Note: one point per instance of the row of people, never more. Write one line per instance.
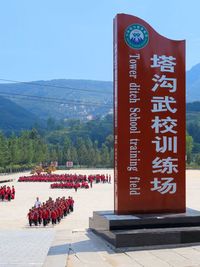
(70, 185)
(99, 178)
(50, 211)
(7, 193)
(66, 178)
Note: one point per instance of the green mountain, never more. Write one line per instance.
(62, 99)
(14, 117)
(76, 99)
(193, 84)
(68, 99)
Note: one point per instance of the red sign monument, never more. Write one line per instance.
(149, 119)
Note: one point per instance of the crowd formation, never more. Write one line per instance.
(69, 185)
(53, 211)
(50, 211)
(7, 193)
(68, 180)
(71, 178)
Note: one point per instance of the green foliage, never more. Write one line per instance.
(197, 159)
(88, 144)
(77, 142)
(193, 133)
(14, 117)
(21, 152)
(193, 129)
(189, 146)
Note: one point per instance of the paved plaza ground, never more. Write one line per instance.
(70, 243)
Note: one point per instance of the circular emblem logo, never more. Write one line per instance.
(136, 36)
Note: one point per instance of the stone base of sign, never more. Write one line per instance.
(145, 230)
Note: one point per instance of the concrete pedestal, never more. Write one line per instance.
(125, 231)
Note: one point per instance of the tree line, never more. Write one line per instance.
(193, 134)
(86, 144)
(193, 144)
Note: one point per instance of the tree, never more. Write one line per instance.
(74, 155)
(112, 158)
(105, 158)
(66, 149)
(13, 147)
(4, 153)
(90, 159)
(189, 146)
(109, 141)
(193, 129)
(83, 155)
(197, 159)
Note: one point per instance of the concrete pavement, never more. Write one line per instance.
(70, 243)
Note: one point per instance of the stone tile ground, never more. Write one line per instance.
(24, 247)
(70, 243)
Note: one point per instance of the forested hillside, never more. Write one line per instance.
(193, 84)
(14, 117)
(65, 99)
(193, 133)
(71, 120)
(61, 99)
(86, 144)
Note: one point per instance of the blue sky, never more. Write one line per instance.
(48, 39)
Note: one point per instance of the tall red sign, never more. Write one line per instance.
(149, 119)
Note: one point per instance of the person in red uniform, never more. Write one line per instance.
(76, 186)
(71, 204)
(44, 216)
(39, 215)
(48, 214)
(53, 217)
(8, 192)
(30, 217)
(35, 217)
(13, 192)
(3, 193)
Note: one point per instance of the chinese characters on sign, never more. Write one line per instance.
(149, 119)
(163, 126)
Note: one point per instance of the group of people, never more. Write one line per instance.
(7, 193)
(71, 178)
(86, 182)
(50, 211)
(69, 185)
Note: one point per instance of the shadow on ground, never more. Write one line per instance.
(92, 243)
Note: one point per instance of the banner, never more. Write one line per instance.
(149, 119)
(69, 164)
